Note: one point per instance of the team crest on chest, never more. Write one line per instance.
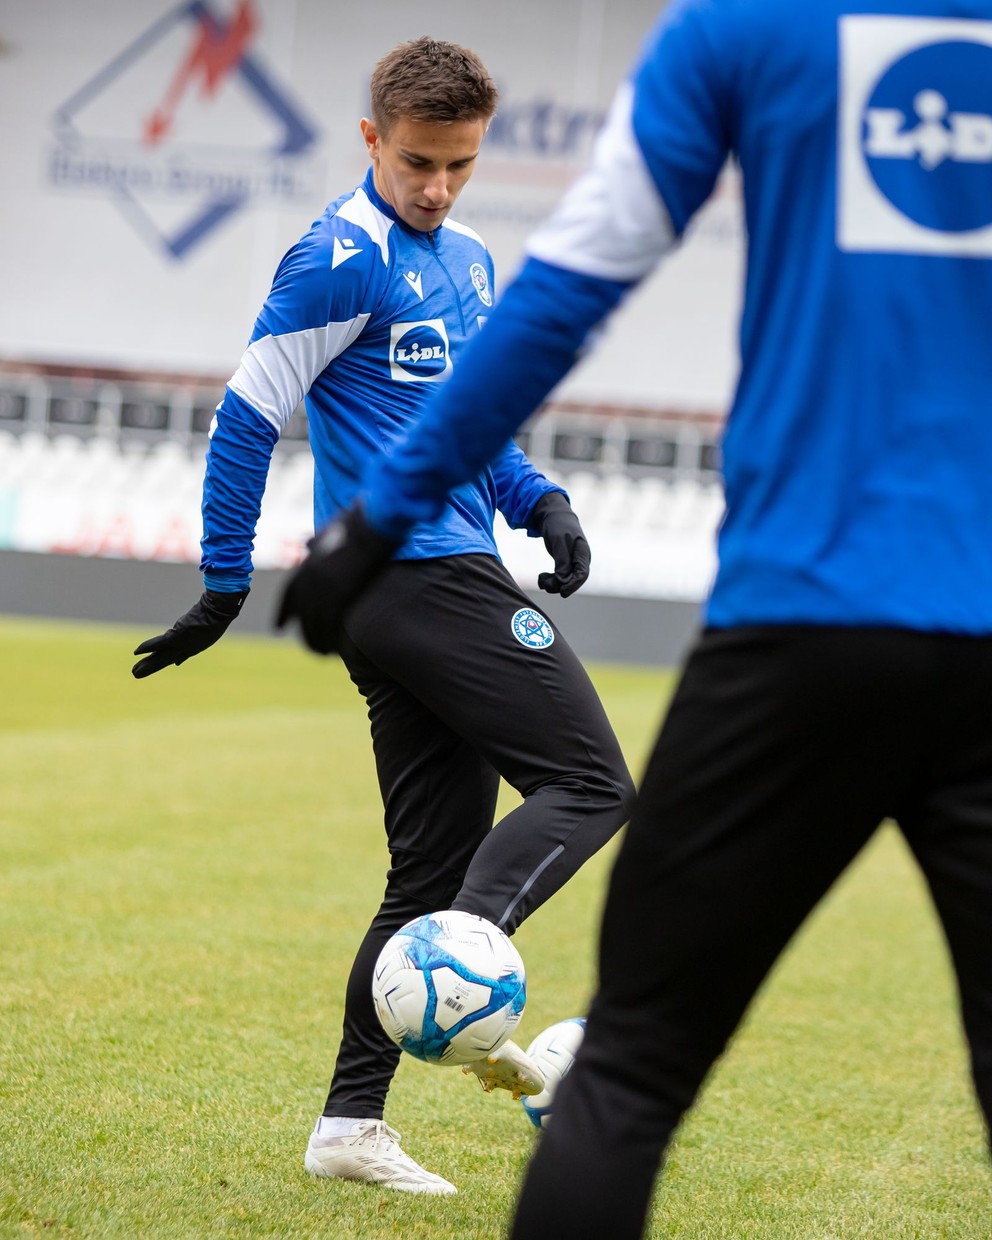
(481, 282)
(531, 629)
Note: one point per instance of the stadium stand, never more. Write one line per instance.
(111, 464)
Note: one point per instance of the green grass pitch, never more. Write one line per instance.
(186, 866)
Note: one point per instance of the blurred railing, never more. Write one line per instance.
(106, 464)
(142, 412)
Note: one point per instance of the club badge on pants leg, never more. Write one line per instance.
(531, 629)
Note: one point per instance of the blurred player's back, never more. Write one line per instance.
(864, 133)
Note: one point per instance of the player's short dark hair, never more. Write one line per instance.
(430, 80)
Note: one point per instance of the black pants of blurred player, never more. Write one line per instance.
(456, 701)
(782, 751)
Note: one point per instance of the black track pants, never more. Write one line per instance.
(461, 689)
(782, 752)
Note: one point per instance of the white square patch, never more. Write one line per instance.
(419, 351)
(927, 135)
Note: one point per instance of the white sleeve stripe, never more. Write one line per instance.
(359, 210)
(276, 372)
(612, 222)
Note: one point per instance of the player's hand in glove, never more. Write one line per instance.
(553, 519)
(204, 623)
(343, 558)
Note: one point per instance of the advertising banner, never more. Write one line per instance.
(161, 156)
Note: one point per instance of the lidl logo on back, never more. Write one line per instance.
(915, 134)
(418, 352)
(939, 134)
(185, 127)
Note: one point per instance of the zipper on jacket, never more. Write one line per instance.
(454, 287)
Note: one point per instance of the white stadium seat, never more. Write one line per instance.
(650, 536)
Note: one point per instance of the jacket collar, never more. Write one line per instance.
(380, 204)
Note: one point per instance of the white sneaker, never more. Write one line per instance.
(508, 1067)
(371, 1153)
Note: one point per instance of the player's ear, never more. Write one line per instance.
(371, 135)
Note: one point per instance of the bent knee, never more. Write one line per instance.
(626, 794)
(617, 787)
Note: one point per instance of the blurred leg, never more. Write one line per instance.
(772, 770)
(949, 828)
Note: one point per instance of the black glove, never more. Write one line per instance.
(344, 557)
(204, 623)
(553, 519)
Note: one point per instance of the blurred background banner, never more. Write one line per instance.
(160, 158)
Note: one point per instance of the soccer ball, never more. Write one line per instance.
(554, 1052)
(449, 988)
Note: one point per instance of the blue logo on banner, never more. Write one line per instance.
(145, 130)
(927, 136)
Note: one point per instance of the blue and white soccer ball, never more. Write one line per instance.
(554, 1052)
(449, 988)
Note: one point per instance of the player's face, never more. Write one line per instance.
(420, 168)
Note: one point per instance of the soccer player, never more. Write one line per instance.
(464, 680)
(844, 673)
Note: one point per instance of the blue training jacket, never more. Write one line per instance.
(858, 451)
(366, 316)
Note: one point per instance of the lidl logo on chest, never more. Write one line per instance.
(419, 352)
(915, 135)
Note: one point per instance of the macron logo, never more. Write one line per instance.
(415, 282)
(343, 250)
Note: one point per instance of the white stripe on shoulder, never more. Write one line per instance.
(360, 211)
(464, 230)
(276, 372)
(612, 222)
